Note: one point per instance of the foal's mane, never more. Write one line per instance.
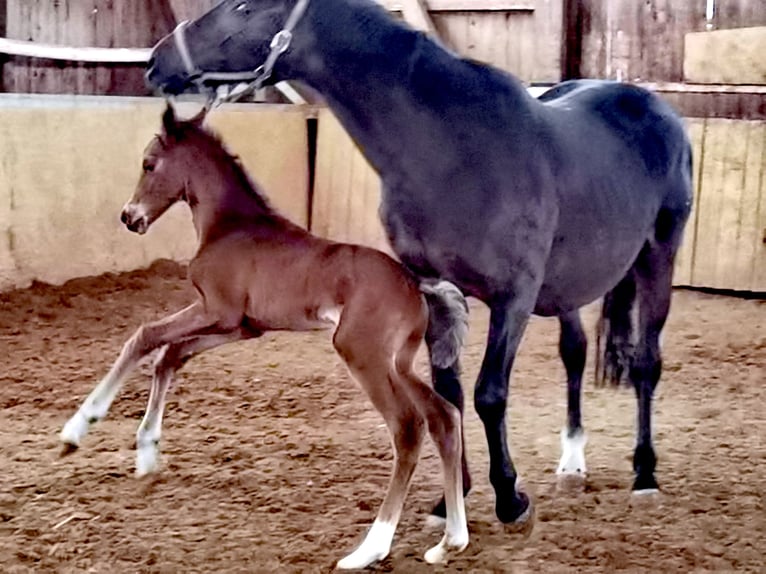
(216, 150)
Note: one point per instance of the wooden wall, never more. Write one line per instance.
(69, 163)
(644, 40)
(525, 42)
(521, 37)
(724, 244)
(98, 23)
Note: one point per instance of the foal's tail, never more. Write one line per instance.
(615, 334)
(447, 322)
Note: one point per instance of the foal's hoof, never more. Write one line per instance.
(449, 546)
(67, 448)
(570, 483)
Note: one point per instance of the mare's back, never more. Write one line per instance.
(633, 115)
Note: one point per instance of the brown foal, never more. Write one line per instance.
(255, 271)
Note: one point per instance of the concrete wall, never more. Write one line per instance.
(69, 163)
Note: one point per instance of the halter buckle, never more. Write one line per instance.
(281, 41)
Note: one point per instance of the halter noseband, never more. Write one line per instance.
(255, 79)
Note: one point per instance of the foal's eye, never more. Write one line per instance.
(148, 166)
(241, 7)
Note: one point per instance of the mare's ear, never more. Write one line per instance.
(169, 123)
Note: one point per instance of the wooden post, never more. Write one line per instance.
(416, 14)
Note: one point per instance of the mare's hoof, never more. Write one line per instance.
(518, 514)
(571, 483)
(646, 498)
(67, 448)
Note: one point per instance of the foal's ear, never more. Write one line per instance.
(199, 118)
(169, 123)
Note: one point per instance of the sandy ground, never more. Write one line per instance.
(273, 460)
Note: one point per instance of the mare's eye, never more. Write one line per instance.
(241, 7)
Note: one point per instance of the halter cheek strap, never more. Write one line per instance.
(256, 78)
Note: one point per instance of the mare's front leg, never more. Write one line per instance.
(146, 339)
(573, 347)
(506, 327)
(171, 358)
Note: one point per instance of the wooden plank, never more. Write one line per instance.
(729, 250)
(685, 256)
(759, 263)
(726, 56)
(346, 189)
(751, 249)
(415, 13)
(271, 144)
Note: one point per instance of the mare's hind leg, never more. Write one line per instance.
(573, 347)
(370, 367)
(171, 358)
(654, 278)
(146, 339)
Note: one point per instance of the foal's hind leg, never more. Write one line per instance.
(406, 427)
(170, 359)
(573, 347)
(445, 426)
(146, 339)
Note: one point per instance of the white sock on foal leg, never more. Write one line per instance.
(93, 409)
(572, 453)
(455, 537)
(376, 546)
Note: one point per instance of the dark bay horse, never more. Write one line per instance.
(255, 271)
(530, 205)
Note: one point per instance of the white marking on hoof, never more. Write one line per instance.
(435, 522)
(449, 546)
(376, 546)
(646, 492)
(74, 430)
(146, 459)
(572, 453)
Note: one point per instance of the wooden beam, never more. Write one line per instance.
(415, 13)
(466, 5)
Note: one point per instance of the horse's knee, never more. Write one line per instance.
(168, 359)
(646, 370)
(490, 403)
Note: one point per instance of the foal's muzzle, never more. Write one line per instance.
(134, 218)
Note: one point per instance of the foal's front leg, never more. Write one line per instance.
(147, 338)
(170, 359)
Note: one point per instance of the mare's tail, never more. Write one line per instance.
(615, 334)
(447, 322)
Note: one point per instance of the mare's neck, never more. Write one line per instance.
(400, 95)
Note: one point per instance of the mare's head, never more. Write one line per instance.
(168, 161)
(233, 37)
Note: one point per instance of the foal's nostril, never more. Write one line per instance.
(124, 216)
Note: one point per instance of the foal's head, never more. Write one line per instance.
(168, 163)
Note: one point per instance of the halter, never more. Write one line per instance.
(255, 79)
